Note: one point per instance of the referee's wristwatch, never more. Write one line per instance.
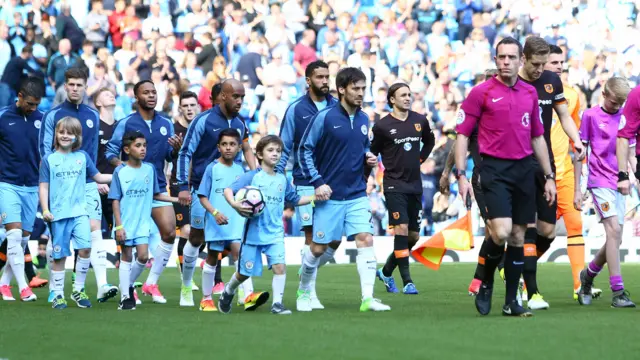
(460, 173)
(623, 175)
(550, 176)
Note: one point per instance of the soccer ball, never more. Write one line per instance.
(252, 196)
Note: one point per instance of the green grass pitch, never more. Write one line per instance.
(440, 323)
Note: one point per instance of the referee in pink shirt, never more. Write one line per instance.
(510, 131)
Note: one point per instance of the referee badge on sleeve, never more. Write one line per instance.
(460, 117)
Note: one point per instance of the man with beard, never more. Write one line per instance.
(162, 146)
(75, 86)
(294, 123)
(19, 127)
(200, 149)
(398, 138)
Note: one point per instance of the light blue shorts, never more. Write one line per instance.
(157, 204)
(143, 240)
(305, 212)
(250, 258)
(334, 218)
(76, 231)
(18, 204)
(197, 212)
(93, 205)
(219, 246)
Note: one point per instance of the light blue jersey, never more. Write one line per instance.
(134, 188)
(216, 178)
(267, 228)
(66, 175)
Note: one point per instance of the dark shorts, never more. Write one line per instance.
(107, 214)
(182, 212)
(509, 189)
(404, 209)
(544, 212)
(479, 194)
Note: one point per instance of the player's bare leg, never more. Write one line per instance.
(165, 219)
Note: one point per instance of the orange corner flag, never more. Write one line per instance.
(457, 236)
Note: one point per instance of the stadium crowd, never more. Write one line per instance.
(440, 48)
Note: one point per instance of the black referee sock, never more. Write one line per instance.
(482, 258)
(218, 275)
(181, 243)
(513, 265)
(493, 258)
(543, 244)
(28, 265)
(401, 253)
(529, 273)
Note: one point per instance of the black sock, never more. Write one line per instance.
(542, 244)
(3, 254)
(28, 264)
(493, 258)
(529, 272)
(181, 243)
(390, 265)
(75, 260)
(501, 263)
(513, 264)
(401, 252)
(482, 258)
(218, 275)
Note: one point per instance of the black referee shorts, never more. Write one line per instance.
(545, 212)
(182, 212)
(509, 189)
(404, 209)
(478, 193)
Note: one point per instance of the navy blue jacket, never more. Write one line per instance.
(200, 146)
(19, 156)
(158, 148)
(295, 122)
(89, 119)
(333, 152)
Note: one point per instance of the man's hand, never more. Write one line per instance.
(444, 183)
(577, 200)
(579, 151)
(221, 219)
(176, 142)
(464, 188)
(103, 189)
(624, 187)
(372, 160)
(550, 191)
(184, 198)
(323, 193)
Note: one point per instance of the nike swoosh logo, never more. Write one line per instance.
(507, 311)
(127, 181)
(339, 126)
(217, 129)
(518, 263)
(498, 99)
(218, 179)
(11, 124)
(304, 117)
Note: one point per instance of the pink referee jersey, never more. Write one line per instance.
(507, 118)
(631, 117)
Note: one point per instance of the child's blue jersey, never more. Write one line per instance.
(216, 178)
(134, 188)
(67, 175)
(268, 228)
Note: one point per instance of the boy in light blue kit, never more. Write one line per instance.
(63, 174)
(263, 234)
(134, 187)
(222, 225)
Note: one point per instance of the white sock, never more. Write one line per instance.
(232, 285)
(98, 258)
(162, 253)
(309, 266)
(208, 276)
(6, 276)
(154, 241)
(49, 255)
(277, 286)
(82, 268)
(15, 257)
(136, 269)
(247, 287)
(57, 282)
(305, 249)
(328, 255)
(189, 257)
(25, 242)
(366, 263)
(125, 278)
